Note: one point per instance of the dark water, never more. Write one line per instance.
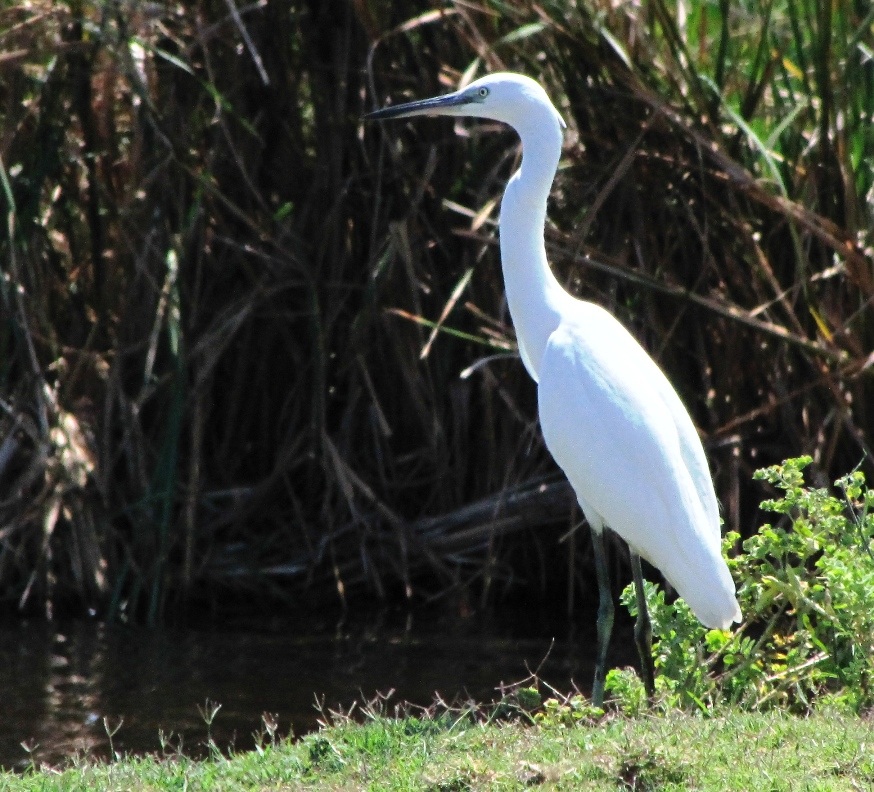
(59, 682)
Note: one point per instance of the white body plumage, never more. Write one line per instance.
(610, 418)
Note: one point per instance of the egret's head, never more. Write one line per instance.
(511, 98)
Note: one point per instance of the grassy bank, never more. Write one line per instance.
(729, 751)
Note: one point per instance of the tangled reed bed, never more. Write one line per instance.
(248, 344)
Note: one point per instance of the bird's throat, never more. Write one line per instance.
(534, 296)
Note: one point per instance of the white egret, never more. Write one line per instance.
(610, 418)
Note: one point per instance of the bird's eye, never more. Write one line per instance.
(483, 92)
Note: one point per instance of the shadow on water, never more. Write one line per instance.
(59, 682)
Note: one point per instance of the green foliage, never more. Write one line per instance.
(529, 698)
(566, 711)
(806, 589)
(626, 687)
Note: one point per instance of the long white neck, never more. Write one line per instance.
(534, 296)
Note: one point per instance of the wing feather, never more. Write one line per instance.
(626, 443)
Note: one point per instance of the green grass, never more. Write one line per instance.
(766, 752)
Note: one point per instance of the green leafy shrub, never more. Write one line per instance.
(561, 712)
(806, 589)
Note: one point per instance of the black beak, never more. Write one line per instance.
(435, 106)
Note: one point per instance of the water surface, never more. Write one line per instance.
(59, 682)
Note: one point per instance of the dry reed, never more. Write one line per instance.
(209, 376)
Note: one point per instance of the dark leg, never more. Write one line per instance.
(605, 616)
(642, 628)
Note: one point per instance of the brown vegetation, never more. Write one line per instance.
(236, 325)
